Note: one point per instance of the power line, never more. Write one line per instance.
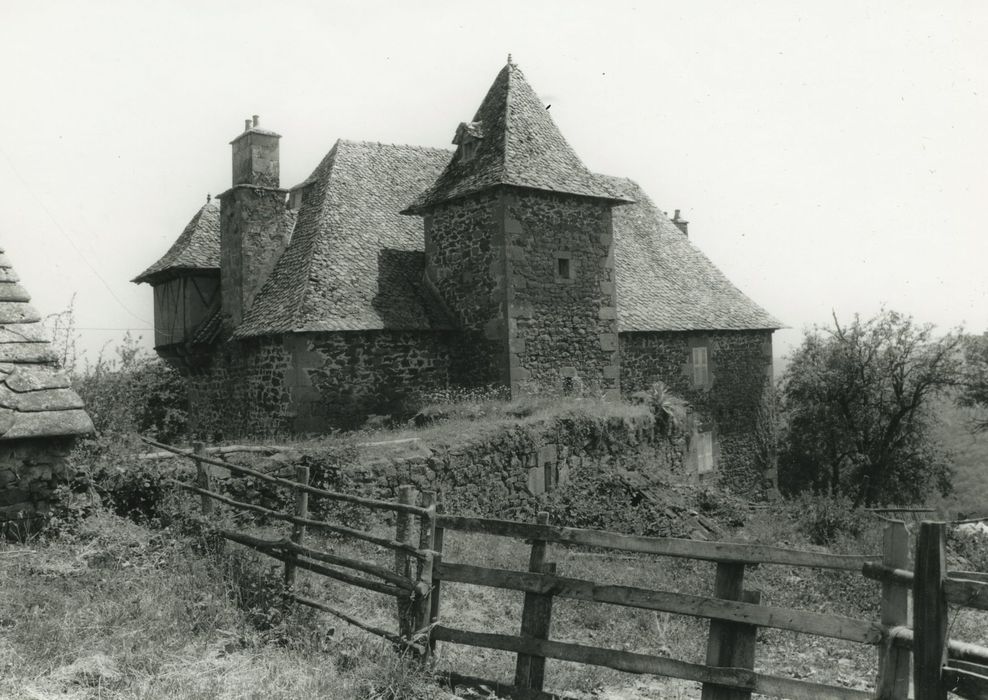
(69, 240)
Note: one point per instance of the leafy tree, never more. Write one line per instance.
(857, 410)
(974, 392)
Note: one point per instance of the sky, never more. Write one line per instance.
(830, 157)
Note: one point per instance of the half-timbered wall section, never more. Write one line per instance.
(182, 305)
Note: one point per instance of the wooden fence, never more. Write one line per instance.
(940, 665)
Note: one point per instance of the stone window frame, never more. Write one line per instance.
(560, 256)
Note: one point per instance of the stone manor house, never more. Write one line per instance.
(400, 269)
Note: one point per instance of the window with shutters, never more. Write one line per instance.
(701, 369)
(704, 452)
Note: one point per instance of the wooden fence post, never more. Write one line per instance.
(930, 612)
(893, 662)
(435, 601)
(203, 479)
(427, 542)
(730, 644)
(402, 563)
(301, 511)
(536, 617)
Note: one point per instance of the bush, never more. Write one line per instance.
(827, 521)
(133, 393)
(971, 544)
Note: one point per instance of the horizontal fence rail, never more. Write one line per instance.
(417, 581)
(318, 524)
(726, 552)
(742, 679)
(818, 624)
(288, 483)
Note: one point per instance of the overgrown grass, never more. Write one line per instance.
(120, 610)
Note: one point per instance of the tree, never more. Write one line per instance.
(857, 410)
(974, 391)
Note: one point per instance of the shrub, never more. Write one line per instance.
(670, 410)
(133, 393)
(972, 544)
(827, 521)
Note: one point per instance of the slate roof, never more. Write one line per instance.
(665, 283)
(198, 248)
(354, 263)
(520, 145)
(36, 398)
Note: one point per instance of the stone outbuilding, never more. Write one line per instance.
(41, 416)
(395, 270)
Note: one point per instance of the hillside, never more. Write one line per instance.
(970, 459)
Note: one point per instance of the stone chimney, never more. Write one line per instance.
(253, 230)
(681, 223)
(255, 155)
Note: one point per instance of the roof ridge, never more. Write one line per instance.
(411, 146)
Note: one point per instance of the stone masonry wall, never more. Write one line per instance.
(252, 239)
(464, 253)
(313, 382)
(561, 326)
(29, 471)
(508, 472)
(735, 404)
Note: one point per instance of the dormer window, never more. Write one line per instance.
(468, 136)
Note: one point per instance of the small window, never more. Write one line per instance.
(701, 371)
(704, 452)
(468, 149)
(563, 270)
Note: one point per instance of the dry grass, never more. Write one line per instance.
(124, 612)
(121, 611)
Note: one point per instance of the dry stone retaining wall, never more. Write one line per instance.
(508, 472)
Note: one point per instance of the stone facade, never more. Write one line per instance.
(464, 262)
(529, 277)
(314, 382)
(733, 403)
(562, 311)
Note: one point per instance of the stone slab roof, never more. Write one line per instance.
(36, 398)
(519, 145)
(354, 263)
(198, 248)
(665, 283)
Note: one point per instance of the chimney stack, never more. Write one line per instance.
(681, 224)
(255, 156)
(253, 233)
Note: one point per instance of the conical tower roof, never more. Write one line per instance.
(36, 398)
(198, 248)
(517, 143)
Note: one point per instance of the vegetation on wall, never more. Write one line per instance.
(857, 410)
